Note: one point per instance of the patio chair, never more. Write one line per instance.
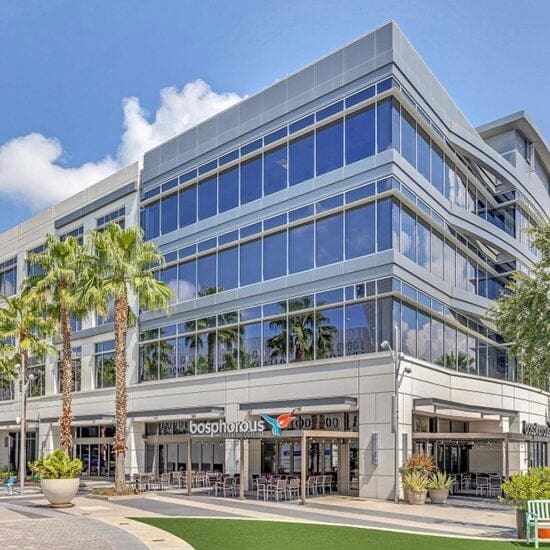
(261, 487)
(143, 482)
(311, 485)
(179, 480)
(482, 486)
(165, 481)
(325, 483)
(227, 485)
(293, 488)
(494, 486)
(276, 489)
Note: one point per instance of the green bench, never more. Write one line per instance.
(538, 517)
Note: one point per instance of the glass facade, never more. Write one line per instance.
(104, 363)
(8, 277)
(77, 368)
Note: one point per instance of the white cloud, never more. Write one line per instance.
(31, 169)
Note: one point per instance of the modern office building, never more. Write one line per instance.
(349, 203)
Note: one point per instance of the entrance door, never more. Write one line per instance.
(353, 486)
(30, 450)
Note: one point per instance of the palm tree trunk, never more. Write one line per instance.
(66, 418)
(121, 394)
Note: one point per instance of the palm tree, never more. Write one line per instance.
(121, 265)
(452, 361)
(24, 332)
(58, 287)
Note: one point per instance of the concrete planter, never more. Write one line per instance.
(60, 492)
(417, 497)
(439, 496)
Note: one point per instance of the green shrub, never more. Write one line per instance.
(520, 488)
(440, 480)
(57, 465)
(415, 481)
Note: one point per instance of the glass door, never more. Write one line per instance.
(354, 467)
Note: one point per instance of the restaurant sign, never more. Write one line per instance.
(538, 430)
(229, 430)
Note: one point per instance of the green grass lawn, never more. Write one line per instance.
(217, 534)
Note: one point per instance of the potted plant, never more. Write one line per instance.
(520, 488)
(438, 487)
(416, 484)
(59, 476)
(417, 462)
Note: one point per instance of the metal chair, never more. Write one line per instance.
(227, 485)
(311, 486)
(261, 487)
(293, 488)
(165, 481)
(277, 488)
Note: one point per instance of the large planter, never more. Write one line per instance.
(439, 496)
(417, 497)
(60, 492)
(521, 523)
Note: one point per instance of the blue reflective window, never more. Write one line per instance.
(229, 157)
(205, 245)
(360, 193)
(330, 110)
(408, 330)
(437, 168)
(449, 179)
(360, 231)
(212, 165)
(360, 331)
(302, 123)
(301, 152)
(408, 137)
(169, 185)
(388, 121)
(329, 325)
(300, 248)
(228, 237)
(208, 198)
(169, 214)
(188, 205)
(251, 230)
(329, 147)
(360, 138)
(251, 346)
(275, 170)
(188, 176)
(245, 149)
(228, 189)
(384, 224)
(360, 96)
(274, 136)
(423, 143)
(408, 234)
(328, 297)
(329, 240)
(150, 220)
(423, 245)
(300, 213)
(151, 192)
(251, 262)
(187, 276)
(274, 254)
(169, 276)
(251, 180)
(384, 85)
(328, 204)
(206, 275)
(274, 222)
(274, 308)
(187, 251)
(449, 359)
(437, 255)
(228, 268)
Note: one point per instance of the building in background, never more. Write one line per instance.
(348, 204)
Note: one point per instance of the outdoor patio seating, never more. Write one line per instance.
(277, 489)
(226, 485)
(261, 487)
(165, 481)
(293, 488)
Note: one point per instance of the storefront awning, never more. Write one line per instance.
(305, 406)
(439, 405)
(167, 415)
(84, 420)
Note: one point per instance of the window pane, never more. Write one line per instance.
(206, 275)
(186, 355)
(384, 224)
(449, 359)
(423, 336)
(187, 288)
(251, 262)
(251, 180)
(449, 180)
(384, 125)
(275, 170)
(167, 358)
(437, 342)
(149, 361)
(274, 337)
(188, 206)
(300, 248)
(206, 352)
(301, 332)
(423, 245)
(462, 352)
(228, 348)
(251, 346)
(408, 234)
(437, 168)
(450, 263)
(169, 214)
(437, 255)
(208, 198)
(461, 271)
(329, 326)
(460, 182)
(408, 137)
(360, 135)
(301, 159)
(424, 153)
(228, 269)
(385, 321)
(329, 147)
(228, 189)
(169, 276)
(329, 237)
(360, 328)
(274, 255)
(408, 330)
(360, 231)
(472, 354)
(150, 220)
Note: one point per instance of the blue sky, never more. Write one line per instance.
(67, 66)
